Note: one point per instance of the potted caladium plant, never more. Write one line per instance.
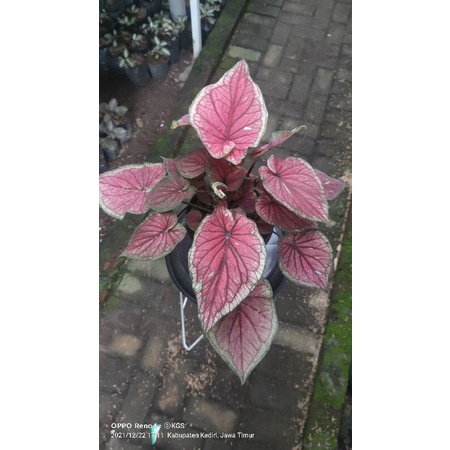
(231, 207)
(158, 58)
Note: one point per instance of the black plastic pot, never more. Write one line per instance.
(175, 51)
(139, 75)
(177, 265)
(103, 59)
(152, 7)
(186, 39)
(112, 151)
(159, 70)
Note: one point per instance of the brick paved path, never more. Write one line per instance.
(299, 53)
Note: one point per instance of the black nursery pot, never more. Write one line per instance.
(178, 267)
(139, 75)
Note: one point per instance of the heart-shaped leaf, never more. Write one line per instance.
(155, 237)
(193, 219)
(244, 335)
(171, 165)
(169, 193)
(305, 258)
(230, 115)
(277, 138)
(277, 214)
(332, 186)
(226, 261)
(193, 165)
(125, 189)
(244, 197)
(294, 184)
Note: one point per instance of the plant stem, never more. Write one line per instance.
(251, 168)
(197, 207)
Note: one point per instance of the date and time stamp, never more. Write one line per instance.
(168, 430)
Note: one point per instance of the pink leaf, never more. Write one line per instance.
(244, 335)
(230, 115)
(277, 138)
(169, 193)
(155, 237)
(193, 165)
(244, 197)
(171, 166)
(263, 227)
(294, 184)
(277, 214)
(305, 258)
(180, 122)
(224, 172)
(125, 189)
(193, 219)
(332, 186)
(226, 261)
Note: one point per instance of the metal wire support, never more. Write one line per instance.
(183, 302)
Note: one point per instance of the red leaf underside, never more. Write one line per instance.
(305, 258)
(293, 183)
(226, 261)
(171, 166)
(230, 115)
(244, 197)
(125, 189)
(332, 186)
(277, 139)
(155, 237)
(169, 193)
(193, 165)
(277, 214)
(244, 335)
(193, 219)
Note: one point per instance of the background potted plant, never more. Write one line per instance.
(114, 130)
(158, 58)
(230, 207)
(135, 67)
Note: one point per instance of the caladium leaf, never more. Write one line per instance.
(277, 214)
(169, 193)
(244, 197)
(263, 227)
(193, 219)
(125, 189)
(193, 165)
(226, 260)
(171, 166)
(294, 184)
(277, 138)
(155, 237)
(305, 258)
(183, 121)
(219, 189)
(230, 115)
(224, 172)
(332, 186)
(244, 335)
